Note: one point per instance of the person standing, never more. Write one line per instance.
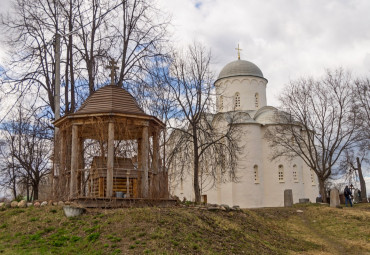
(347, 195)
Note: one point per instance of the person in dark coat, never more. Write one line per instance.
(348, 195)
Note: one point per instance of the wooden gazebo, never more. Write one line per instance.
(110, 147)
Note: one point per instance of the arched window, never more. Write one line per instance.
(256, 100)
(281, 173)
(295, 175)
(237, 100)
(221, 103)
(256, 177)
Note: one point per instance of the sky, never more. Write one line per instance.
(286, 39)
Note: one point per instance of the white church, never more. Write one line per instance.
(241, 87)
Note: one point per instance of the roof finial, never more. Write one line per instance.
(113, 69)
(238, 49)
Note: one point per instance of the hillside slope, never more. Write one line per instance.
(186, 230)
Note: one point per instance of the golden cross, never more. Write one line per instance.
(113, 69)
(238, 49)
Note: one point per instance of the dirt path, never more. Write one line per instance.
(331, 245)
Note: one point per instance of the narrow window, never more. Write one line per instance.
(256, 100)
(237, 100)
(295, 176)
(221, 104)
(312, 177)
(256, 177)
(281, 173)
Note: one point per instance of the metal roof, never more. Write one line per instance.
(240, 68)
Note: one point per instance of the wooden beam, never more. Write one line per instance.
(110, 159)
(74, 162)
(145, 162)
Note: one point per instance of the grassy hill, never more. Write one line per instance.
(186, 230)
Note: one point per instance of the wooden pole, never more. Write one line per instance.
(155, 161)
(56, 171)
(110, 159)
(145, 162)
(74, 162)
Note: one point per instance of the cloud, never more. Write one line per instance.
(286, 39)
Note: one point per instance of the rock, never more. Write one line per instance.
(225, 207)
(60, 203)
(73, 211)
(29, 204)
(2, 204)
(14, 204)
(299, 211)
(50, 202)
(213, 208)
(55, 203)
(67, 203)
(44, 203)
(236, 207)
(7, 204)
(22, 204)
(36, 204)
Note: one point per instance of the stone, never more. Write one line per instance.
(288, 198)
(14, 204)
(36, 204)
(225, 206)
(356, 198)
(236, 207)
(73, 211)
(299, 211)
(60, 203)
(50, 202)
(213, 208)
(44, 203)
(22, 204)
(67, 203)
(304, 200)
(29, 204)
(334, 198)
(55, 203)
(2, 204)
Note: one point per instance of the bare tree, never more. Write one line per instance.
(318, 123)
(195, 135)
(352, 165)
(28, 143)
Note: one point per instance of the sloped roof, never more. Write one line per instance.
(110, 99)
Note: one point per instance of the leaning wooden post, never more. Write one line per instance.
(110, 159)
(74, 162)
(145, 162)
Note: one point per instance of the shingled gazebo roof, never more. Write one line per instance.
(110, 99)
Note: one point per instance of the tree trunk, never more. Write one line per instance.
(362, 181)
(196, 167)
(35, 191)
(322, 190)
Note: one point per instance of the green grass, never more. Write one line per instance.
(318, 230)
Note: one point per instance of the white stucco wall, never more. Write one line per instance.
(247, 87)
(269, 191)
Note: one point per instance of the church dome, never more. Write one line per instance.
(240, 68)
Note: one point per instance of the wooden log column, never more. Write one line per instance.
(145, 162)
(74, 162)
(110, 159)
(155, 163)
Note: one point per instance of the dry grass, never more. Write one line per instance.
(318, 230)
